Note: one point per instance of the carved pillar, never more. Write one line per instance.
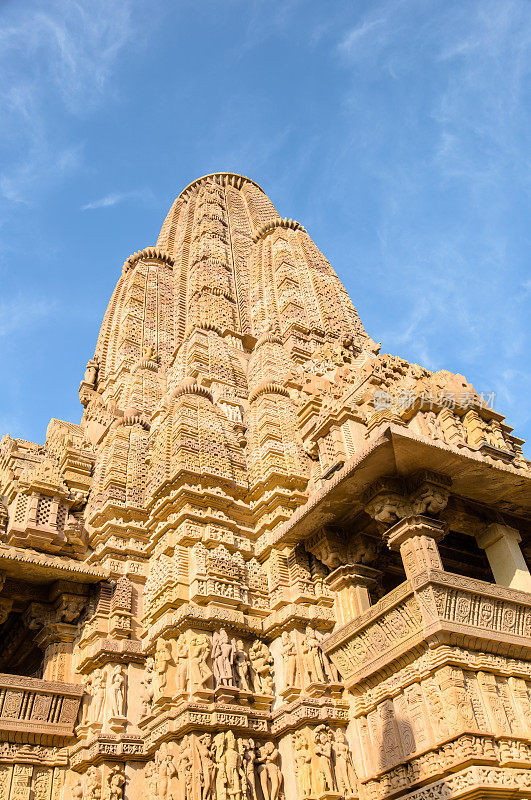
(501, 545)
(416, 538)
(56, 639)
(351, 582)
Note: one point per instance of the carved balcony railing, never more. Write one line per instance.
(37, 709)
(435, 607)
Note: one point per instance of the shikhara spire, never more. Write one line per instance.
(270, 561)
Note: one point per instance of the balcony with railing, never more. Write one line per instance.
(36, 710)
(433, 608)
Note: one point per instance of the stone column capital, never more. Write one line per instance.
(56, 632)
(413, 527)
(352, 575)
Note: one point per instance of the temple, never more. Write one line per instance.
(270, 563)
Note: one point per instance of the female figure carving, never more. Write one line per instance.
(223, 657)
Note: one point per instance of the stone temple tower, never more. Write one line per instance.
(270, 562)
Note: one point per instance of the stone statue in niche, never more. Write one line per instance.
(200, 672)
(249, 758)
(223, 651)
(303, 764)
(148, 691)
(230, 777)
(344, 768)
(290, 664)
(87, 701)
(242, 666)
(269, 771)
(99, 693)
(117, 692)
(115, 782)
(163, 658)
(183, 761)
(312, 657)
(165, 769)
(93, 784)
(329, 667)
(151, 778)
(262, 663)
(323, 776)
(181, 662)
(206, 766)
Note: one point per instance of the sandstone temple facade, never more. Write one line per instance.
(270, 562)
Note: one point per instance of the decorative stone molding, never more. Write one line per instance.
(41, 708)
(435, 607)
(269, 227)
(148, 254)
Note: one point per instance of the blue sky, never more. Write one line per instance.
(398, 132)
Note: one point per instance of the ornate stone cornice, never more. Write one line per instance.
(219, 178)
(278, 222)
(190, 386)
(148, 254)
(268, 388)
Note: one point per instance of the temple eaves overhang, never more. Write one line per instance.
(396, 451)
(35, 567)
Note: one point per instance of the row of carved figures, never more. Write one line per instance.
(314, 666)
(323, 763)
(91, 787)
(220, 767)
(229, 664)
(105, 695)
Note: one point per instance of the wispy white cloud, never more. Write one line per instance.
(449, 116)
(114, 198)
(56, 62)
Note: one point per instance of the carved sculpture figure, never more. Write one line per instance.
(99, 693)
(330, 670)
(181, 662)
(250, 757)
(344, 768)
(303, 764)
(77, 790)
(223, 651)
(148, 690)
(323, 776)
(289, 660)
(206, 765)
(93, 784)
(200, 672)
(183, 761)
(230, 772)
(269, 771)
(165, 772)
(262, 662)
(115, 783)
(117, 692)
(242, 666)
(312, 657)
(163, 657)
(151, 780)
(87, 701)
